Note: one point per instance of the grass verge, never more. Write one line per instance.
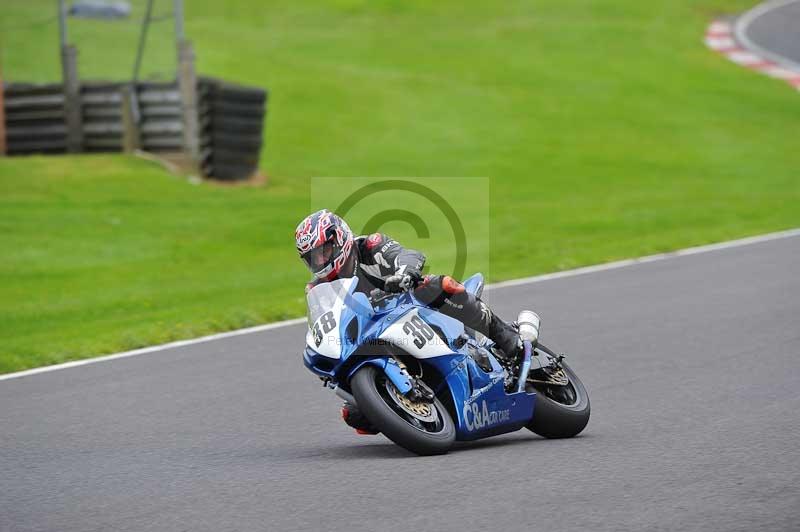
(606, 128)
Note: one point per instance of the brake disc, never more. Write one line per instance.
(552, 377)
(421, 410)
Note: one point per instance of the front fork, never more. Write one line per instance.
(394, 370)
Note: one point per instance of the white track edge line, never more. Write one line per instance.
(740, 30)
(153, 348)
(503, 284)
(649, 258)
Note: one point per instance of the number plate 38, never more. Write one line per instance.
(414, 335)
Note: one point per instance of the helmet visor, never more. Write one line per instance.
(320, 260)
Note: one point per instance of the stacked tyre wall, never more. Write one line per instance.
(158, 107)
(231, 118)
(34, 119)
(231, 121)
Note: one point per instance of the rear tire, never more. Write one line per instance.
(366, 385)
(552, 419)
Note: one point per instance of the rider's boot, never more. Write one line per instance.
(354, 418)
(506, 337)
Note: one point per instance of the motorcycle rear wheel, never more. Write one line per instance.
(371, 392)
(560, 411)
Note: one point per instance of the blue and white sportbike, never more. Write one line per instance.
(424, 381)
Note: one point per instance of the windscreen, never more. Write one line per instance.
(328, 296)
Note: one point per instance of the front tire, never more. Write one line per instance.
(372, 393)
(555, 417)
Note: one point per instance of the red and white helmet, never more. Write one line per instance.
(325, 243)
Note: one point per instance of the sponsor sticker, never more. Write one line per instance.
(305, 240)
(480, 417)
(373, 240)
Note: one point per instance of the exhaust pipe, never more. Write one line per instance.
(529, 323)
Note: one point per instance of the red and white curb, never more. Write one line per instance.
(721, 37)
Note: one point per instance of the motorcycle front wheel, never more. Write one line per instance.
(423, 428)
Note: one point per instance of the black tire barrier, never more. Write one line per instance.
(231, 172)
(31, 89)
(221, 139)
(34, 118)
(33, 131)
(227, 156)
(102, 128)
(162, 127)
(35, 115)
(104, 143)
(232, 124)
(161, 143)
(99, 113)
(161, 111)
(231, 108)
(53, 101)
(231, 121)
(26, 146)
(211, 88)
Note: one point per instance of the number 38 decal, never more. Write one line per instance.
(325, 324)
(420, 331)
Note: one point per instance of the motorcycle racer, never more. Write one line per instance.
(330, 251)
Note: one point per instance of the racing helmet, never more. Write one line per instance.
(325, 243)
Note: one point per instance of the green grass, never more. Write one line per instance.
(606, 128)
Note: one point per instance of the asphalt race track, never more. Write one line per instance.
(692, 364)
(777, 30)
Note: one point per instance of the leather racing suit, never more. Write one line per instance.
(378, 257)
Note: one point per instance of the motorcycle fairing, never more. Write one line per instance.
(405, 334)
(474, 284)
(391, 369)
(486, 409)
(481, 405)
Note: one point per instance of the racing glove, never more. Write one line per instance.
(402, 280)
